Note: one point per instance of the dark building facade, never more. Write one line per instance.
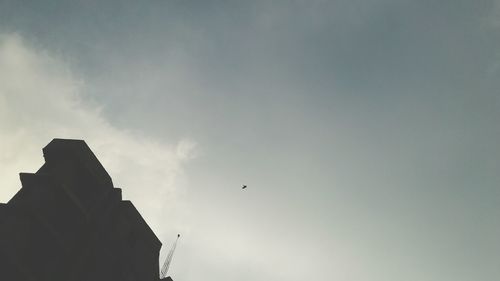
(69, 223)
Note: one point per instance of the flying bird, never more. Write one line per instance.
(244, 186)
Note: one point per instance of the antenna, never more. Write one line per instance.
(166, 265)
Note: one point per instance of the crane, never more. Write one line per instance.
(166, 265)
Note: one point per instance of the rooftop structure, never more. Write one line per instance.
(69, 223)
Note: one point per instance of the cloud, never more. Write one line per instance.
(491, 22)
(494, 17)
(41, 99)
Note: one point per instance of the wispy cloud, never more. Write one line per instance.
(41, 99)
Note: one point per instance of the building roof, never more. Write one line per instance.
(68, 222)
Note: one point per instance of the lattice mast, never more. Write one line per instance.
(166, 264)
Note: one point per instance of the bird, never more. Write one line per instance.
(244, 186)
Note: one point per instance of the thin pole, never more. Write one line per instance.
(166, 265)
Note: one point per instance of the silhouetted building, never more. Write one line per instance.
(69, 223)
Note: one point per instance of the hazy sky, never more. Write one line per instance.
(367, 131)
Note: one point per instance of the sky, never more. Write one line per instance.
(366, 130)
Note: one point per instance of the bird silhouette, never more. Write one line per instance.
(244, 186)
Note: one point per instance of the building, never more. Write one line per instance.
(69, 223)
